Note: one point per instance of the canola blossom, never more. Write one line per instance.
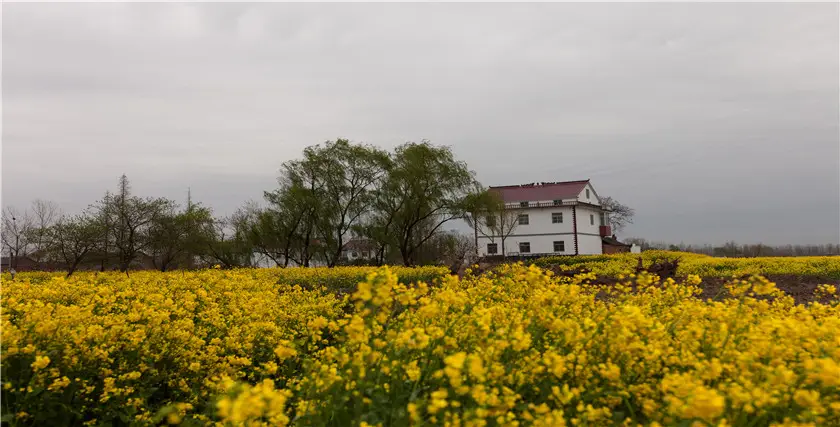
(704, 265)
(518, 346)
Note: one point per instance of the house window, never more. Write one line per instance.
(491, 221)
(524, 247)
(523, 219)
(354, 254)
(591, 219)
(492, 248)
(558, 202)
(603, 218)
(523, 204)
(587, 193)
(560, 246)
(557, 218)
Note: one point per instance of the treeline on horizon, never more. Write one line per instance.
(732, 249)
(393, 203)
(396, 202)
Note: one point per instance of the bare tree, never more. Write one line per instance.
(620, 215)
(463, 251)
(44, 215)
(500, 225)
(130, 220)
(478, 205)
(16, 234)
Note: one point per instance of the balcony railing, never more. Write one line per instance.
(518, 205)
(550, 204)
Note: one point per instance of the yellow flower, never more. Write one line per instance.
(283, 351)
(807, 398)
(59, 384)
(513, 345)
(438, 401)
(476, 368)
(456, 360)
(40, 362)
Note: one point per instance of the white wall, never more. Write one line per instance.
(539, 221)
(541, 233)
(593, 198)
(539, 244)
(590, 245)
(587, 244)
(359, 254)
(583, 222)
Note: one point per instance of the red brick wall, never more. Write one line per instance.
(613, 249)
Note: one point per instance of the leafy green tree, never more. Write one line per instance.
(321, 198)
(350, 172)
(424, 188)
(265, 232)
(301, 190)
(286, 230)
(74, 239)
(178, 237)
(228, 244)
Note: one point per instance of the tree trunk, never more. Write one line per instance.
(337, 252)
(72, 268)
(406, 256)
(305, 254)
(475, 229)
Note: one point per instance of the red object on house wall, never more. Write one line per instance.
(608, 249)
(605, 231)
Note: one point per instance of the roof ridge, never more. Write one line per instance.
(541, 184)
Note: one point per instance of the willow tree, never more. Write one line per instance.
(424, 187)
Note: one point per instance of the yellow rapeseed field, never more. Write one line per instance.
(518, 346)
(704, 265)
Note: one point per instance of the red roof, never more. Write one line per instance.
(541, 191)
(357, 244)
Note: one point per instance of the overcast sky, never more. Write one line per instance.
(714, 121)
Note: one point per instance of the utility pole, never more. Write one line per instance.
(13, 254)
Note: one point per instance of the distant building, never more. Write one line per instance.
(358, 248)
(21, 263)
(611, 245)
(552, 218)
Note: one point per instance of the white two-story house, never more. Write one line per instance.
(558, 218)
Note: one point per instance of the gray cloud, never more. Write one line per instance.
(715, 121)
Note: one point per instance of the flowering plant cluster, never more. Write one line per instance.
(518, 346)
(702, 265)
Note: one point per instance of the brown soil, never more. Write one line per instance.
(801, 288)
